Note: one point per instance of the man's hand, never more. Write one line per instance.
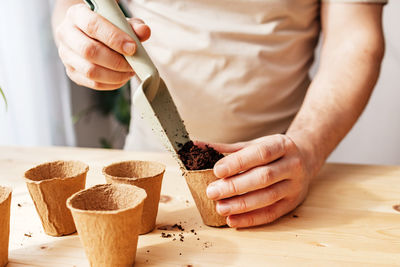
(90, 48)
(261, 180)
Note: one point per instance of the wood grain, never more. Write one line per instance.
(348, 219)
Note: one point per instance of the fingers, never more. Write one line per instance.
(97, 27)
(141, 30)
(253, 200)
(261, 216)
(251, 180)
(222, 148)
(256, 154)
(90, 47)
(92, 50)
(84, 81)
(92, 71)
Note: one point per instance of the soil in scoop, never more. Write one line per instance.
(197, 158)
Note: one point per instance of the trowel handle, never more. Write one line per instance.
(140, 61)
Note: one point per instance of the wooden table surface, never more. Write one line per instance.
(348, 219)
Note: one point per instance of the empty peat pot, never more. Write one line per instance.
(5, 201)
(198, 181)
(108, 219)
(144, 174)
(50, 185)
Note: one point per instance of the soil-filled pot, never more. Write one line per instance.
(198, 181)
(5, 201)
(144, 174)
(108, 219)
(50, 185)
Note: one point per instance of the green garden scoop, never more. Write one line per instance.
(152, 98)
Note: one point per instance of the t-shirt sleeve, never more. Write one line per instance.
(357, 1)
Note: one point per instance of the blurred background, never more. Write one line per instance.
(45, 108)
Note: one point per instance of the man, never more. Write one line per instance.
(238, 71)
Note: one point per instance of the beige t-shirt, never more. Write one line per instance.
(237, 69)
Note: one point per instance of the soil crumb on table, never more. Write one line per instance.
(197, 158)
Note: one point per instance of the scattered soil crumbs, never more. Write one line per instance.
(172, 227)
(197, 158)
(19, 205)
(181, 236)
(178, 226)
(164, 235)
(207, 244)
(28, 235)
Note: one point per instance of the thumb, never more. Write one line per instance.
(141, 30)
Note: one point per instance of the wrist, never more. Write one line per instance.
(311, 152)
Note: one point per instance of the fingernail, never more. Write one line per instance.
(223, 208)
(129, 48)
(220, 170)
(212, 191)
(138, 23)
(231, 222)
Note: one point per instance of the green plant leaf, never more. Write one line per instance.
(105, 143)
(122, 110)
(4, 97)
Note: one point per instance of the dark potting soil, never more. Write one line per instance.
(197, 158)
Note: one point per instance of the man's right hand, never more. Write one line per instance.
(90, 48)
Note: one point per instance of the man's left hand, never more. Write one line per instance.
(261, 180)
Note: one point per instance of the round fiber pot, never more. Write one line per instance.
(144, 174)
(50, 184)
(108, 219)
(198, 181)
(5, 201)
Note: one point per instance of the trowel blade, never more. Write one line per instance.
(163, 117)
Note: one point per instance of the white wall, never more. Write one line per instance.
(375, 139)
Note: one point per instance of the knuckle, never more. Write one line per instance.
(96, 85)
(242, 205)
(89, 50)
(250, 221)
(273, 195)
(233, 190)
(71, 11)
(74, 11)
(119, 63)
(285, 141)
(91, 71)
(115, 40)
(92, 26)
(297, 163)
(264, 152)
(61, 52)
(69, 71)
(239, 162)
(268, 215)
(265, 175)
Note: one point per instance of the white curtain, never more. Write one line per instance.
(32, 77)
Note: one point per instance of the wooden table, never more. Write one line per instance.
(349, 218)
